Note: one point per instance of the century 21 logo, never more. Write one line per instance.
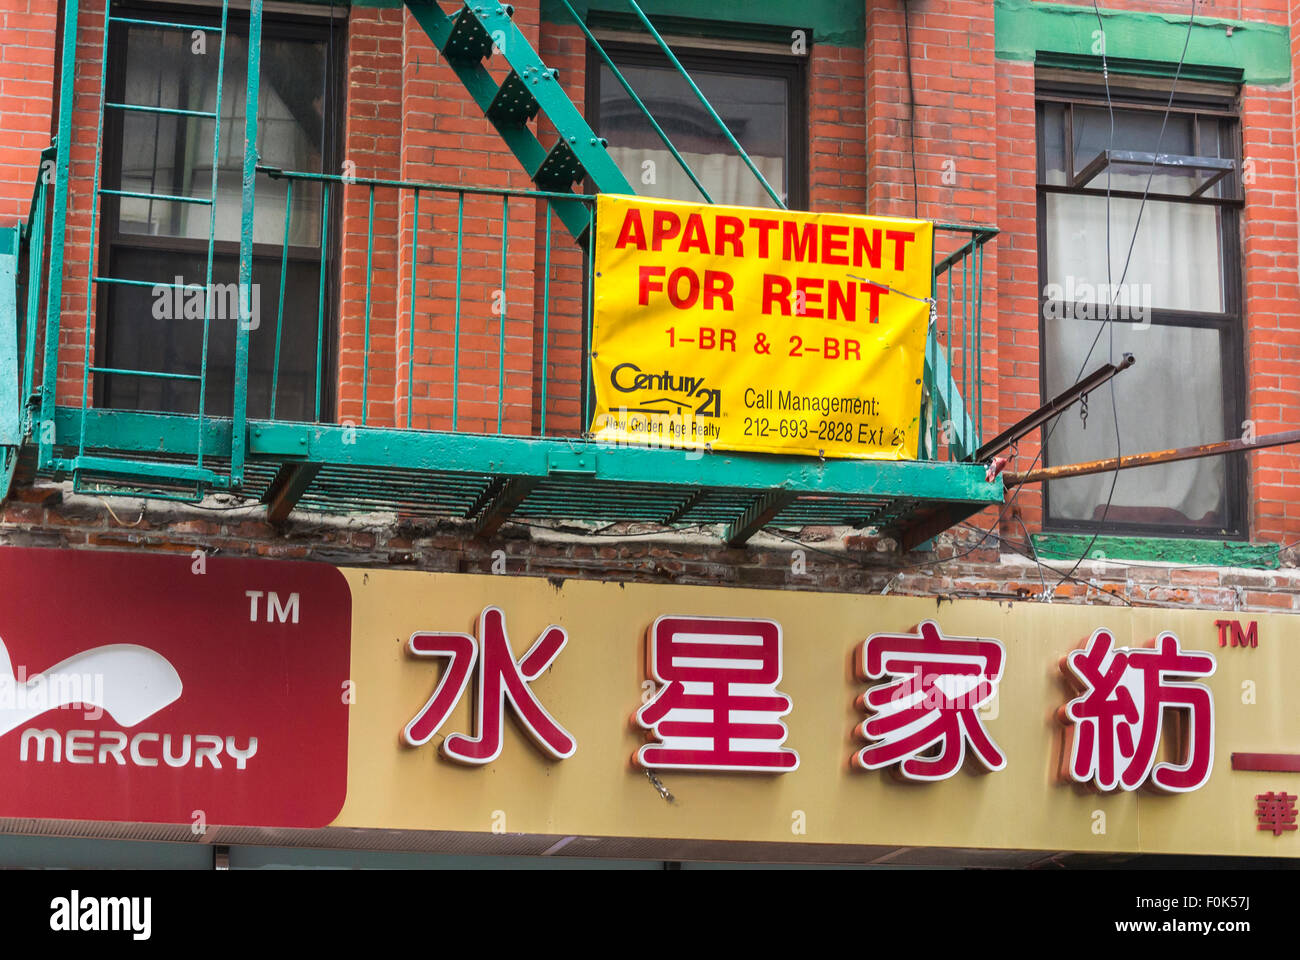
(628, 378)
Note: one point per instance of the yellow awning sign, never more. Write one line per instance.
(766, 331)
(885, 721)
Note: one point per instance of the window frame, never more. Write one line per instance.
(330, 27)
(1197, 100)
(641, 50)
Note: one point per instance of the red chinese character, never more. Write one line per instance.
(1276, 812)
(500, 676)
(719, 708)
(926, 715)
(1118, 720)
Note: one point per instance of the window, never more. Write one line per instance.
(1177, 309)
(142, 327)
(760, 96)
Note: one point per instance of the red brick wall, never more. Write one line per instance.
(951, 130)
(27, 39)
(372, 149)
(1272, 307)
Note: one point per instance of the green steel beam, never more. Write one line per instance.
(134, 432)
(11, 403)
(240, 412)
(544, 86)
(379, 447)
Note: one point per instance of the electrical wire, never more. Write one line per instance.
(1030, 540)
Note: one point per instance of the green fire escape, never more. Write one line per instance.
(487, 478)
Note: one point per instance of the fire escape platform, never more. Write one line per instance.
(493, 479)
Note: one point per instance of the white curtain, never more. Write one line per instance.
(1176, 258)
(726, 177)
(1174, 395)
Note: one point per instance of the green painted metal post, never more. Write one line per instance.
(284, 274)
(948, 343)
(11, 399)
(979, 350)
(94, 220)
(546, 312)
(365, 356)
(239, 415)
(58, 232)
(212, 229)
(35, 275)
(455, 339)
(320, 294)
(410, 342)
(501, 343)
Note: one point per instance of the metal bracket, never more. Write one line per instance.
(571, 463)
(499, 502)
(757, 515)
(290, 483)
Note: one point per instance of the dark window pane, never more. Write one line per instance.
(1053, 134)
(167, 154)
(162, 330)
(755, 107)
(162, 242)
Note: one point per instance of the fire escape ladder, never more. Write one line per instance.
(486, 29)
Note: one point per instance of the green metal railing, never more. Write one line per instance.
(428, 203)
(953, 409)
(953, 383)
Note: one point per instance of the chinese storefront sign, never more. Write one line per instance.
(926, 716)
(277, 694)
(1119, 719)
(876, 721)
(718, 707)
(760, 330)
(500, 677)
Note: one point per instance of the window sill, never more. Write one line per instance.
(1219, 553)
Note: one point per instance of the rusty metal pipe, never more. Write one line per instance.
(1147, 459)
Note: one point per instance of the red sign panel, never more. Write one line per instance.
(172, 689)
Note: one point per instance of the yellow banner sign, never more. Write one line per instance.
(768, 331)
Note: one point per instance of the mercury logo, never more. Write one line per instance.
(130, 683)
